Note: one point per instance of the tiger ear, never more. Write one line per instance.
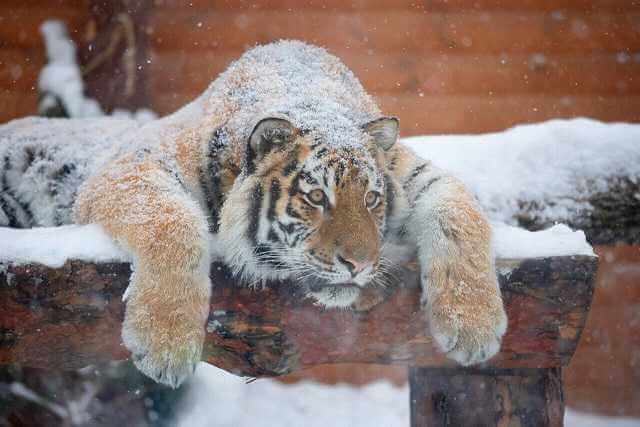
(268, 134)
(384, 131)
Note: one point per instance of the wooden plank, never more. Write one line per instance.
(20, 26)
(15, 104)
(534, 5)
(491, 75)
(69, 317)
(441, 114)
(400, 31)
(187, 71)
(486, 397)
(475, 114)
(19, 68)
(431, 5)
(78, 4)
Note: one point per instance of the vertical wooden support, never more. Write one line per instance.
(114, 57)
(486, 397)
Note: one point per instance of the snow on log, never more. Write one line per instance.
(67, 314)
(579, 172)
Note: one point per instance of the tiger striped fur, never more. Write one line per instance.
(286, 169)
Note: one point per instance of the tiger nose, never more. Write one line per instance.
(354, 266)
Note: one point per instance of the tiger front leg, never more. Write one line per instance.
(167, 300)
(460, 292)
(164, 322)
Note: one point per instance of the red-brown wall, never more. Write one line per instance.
(441, 66)
(22, 53)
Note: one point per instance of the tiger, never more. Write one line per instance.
(284, 169)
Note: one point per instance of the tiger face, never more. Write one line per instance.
(316, 213)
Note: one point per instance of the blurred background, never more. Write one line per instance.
(441, 66)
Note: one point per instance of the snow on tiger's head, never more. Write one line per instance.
(309, 211)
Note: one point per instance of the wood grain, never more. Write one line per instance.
(69, 317)
(20, 25)
(469, 74)
(449, 114)
(494, 32)
(486, 397)
(431, 5)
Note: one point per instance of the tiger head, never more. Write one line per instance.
(309, 211)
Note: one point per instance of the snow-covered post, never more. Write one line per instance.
(486, 397)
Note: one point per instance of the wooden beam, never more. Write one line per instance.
(69, 317)
(614, 216)
(115, 57)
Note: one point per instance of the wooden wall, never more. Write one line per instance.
(604, 375)
(442, 66)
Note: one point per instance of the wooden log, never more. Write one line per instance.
(486, 397)
(69, 317)
(614, 217)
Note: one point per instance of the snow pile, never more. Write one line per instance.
(558, 163)
(52, 246)
(516, 243)
(219, 399)
(578, 419)
(61, 76)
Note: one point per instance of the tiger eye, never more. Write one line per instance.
(316, 196)
(371, 199)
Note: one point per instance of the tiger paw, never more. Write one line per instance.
(168, 357)
(165, 342)
(470, 334)
(170, 367)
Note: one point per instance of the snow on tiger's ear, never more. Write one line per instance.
(384, 131)
(268, 134)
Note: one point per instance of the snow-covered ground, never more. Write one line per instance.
(223, 400)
